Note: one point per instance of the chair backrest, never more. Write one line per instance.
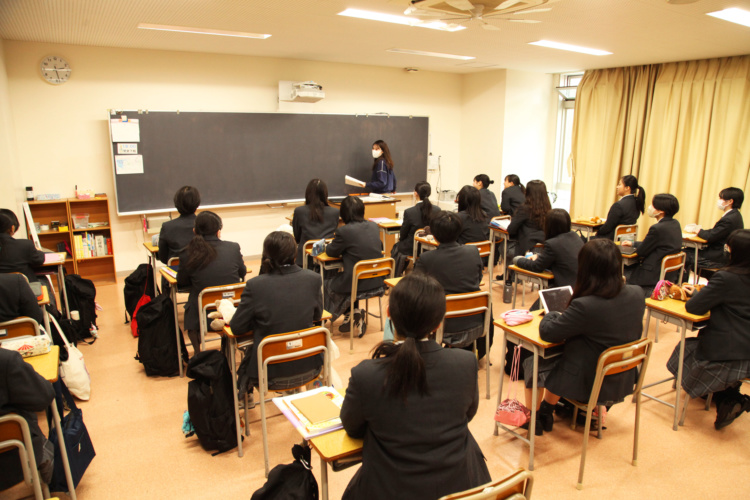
(672, 263)
(625, 230)
(619, 359)
(516, 486)
(415, 243)
(372, 268)
(458, 305)
(305, 247)
(292, 346)
(209, 295)
(18, 327)
(173, 261)
(482, 246)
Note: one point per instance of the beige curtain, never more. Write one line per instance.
(681, 128)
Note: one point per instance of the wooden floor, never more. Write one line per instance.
(135, 424)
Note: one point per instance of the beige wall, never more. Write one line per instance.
(61, 134)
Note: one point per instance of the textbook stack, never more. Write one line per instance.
(92, 245)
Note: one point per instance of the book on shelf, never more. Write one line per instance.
(313, 412)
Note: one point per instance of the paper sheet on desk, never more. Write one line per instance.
(353, 182)
(502, 223)
(54, 257)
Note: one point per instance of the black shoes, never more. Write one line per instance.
(544, 419)
(728, 409)
(345, 325)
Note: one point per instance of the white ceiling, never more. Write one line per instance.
(635, 31)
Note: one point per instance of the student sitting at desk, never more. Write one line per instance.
(17, 299)
(489, 201)
(627, 210)
(17, 255)
(730, 201)
(474, 221)
(719, 357)
(603, 312)
(412, 404)
(315, 219)
(176, 234)
(513, 195)
(383, 178)
(207, 261)
(527, 224)
(416, 217)
(663, 238)
(356, 240)
(282, 298)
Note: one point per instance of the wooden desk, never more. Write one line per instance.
(585, 225)
(326, 262)
(527, 336)
(424, 241)
(388, 230)
(332, 447)
(43, 302)
(172, 282)
(672, 311)
(47, 365)
(627, 259)
(690, 240)
(153, 253)
(58, 259)
(542, 279)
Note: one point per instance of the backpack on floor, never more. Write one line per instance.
(82, 298)
(157, 347)
(293, 481)
(138, 291)
(210, 401)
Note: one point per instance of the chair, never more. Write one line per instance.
(207, 301)
(19, 327)
(670, 263)
(515, 486)
(484, 248)
(540, 279)
(306, 246)
(175, 261)
(625, 230)
(285, 348)
(415, 249)
(615, 360)
(468, 304)
(363, 270)
(14, 433)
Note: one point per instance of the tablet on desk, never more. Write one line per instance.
(555, 299)
(626, 250)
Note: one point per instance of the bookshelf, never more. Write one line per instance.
(90, 248)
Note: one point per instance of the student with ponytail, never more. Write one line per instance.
(416, 217)
(412, 404)
(315, 219)
(475, 223)
(489, 202)
(627, 210)
(207, 261)
(513, 195)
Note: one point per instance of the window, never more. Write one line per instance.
(568, 84)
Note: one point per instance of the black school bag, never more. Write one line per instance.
(293, 481)
(210, 401)
(82, 298)
(139, 283)
(157, 347)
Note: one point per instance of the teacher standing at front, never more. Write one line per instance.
(383, 179)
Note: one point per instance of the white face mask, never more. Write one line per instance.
(720, 204)
(652, 212)
(376, 153)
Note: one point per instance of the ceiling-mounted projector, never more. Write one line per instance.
(301, 91)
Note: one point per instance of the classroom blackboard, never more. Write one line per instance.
(258, 158)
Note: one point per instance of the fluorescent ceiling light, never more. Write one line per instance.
(202, 31)
(572, 48)
(431, 54)
(733, 15)
(406, 21)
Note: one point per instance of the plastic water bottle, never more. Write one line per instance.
(507, 293)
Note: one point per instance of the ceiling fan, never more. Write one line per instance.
(482, 11)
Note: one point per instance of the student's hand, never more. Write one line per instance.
(533, 257)
(627, 243)
(689, 290)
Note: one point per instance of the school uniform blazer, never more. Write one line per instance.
(511, 198)
(25, 392)
(727, 335)
(413, 221)
(718, 235)
(524, 230)
(17, 299)
(472, 230)
(459, 269)
(421, 449)
(354, 242)
(228, 267)
(19, 256)
(381, 177)
(489, 203)
(559, 255)
(663, 238)
(175, 235)
(281, 301)
(623, 212)
(589, 326)
(306, 229)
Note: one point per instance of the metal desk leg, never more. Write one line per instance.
(532, 422)
(515, 290)
(63, 451)
(678, 382)
(323, 479)
(505, 260)
(695, 270)
(504, 343)
(46, 321)
(61, 287)
(491, 264)
(231, 348)
(173, 292)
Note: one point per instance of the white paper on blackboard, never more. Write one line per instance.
(128, 164)
(127, 148)
(129, 131)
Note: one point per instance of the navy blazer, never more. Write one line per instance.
(663, 238)
(421, 448)
(19, 256)
(175, 235)
(281, 301)
(227, 268)
(727, 335)
(306, 229)
(382, 179)
(412, 221)
(589, 326)
(459, 269)
(718, 235)
(489, 203)
(559, 255)
(622, 213)
(473, 231)
(354, 242)
(523, 229)
(17, 299)
(511, 198)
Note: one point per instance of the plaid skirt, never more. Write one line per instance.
(701, 377)
(338, 303)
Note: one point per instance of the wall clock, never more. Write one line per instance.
(55, 70)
